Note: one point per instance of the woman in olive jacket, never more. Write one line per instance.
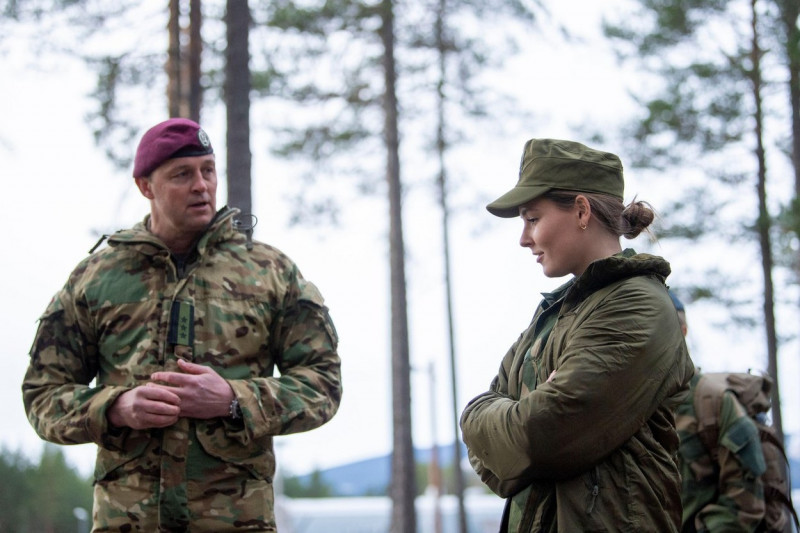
(577, 429)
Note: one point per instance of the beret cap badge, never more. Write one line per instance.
(202, 137)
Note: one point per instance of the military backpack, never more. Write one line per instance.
(754, 394)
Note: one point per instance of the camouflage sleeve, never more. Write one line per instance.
(60, 404)
(307, 393)
(740, 504)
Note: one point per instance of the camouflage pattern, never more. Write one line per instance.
(108, 330)
(576, 430)
(722, 489)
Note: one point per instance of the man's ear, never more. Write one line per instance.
(145, 187)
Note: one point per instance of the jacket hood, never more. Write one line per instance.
(219, 229)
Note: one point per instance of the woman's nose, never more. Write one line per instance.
(525, 239)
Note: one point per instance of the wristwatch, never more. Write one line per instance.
(235, 410)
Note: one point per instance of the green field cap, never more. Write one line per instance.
(555, 164)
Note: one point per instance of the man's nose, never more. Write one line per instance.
(198, 181)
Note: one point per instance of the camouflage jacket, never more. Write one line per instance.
(245, 313)
(577, 429)
(722, 488)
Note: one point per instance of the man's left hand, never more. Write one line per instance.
(203, 392)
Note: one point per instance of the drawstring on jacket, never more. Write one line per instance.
(103, 237)
(240, 225)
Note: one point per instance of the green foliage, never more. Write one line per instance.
(335, 123)
(701, 104)
(699, 114)
(315, 487)
(41, 497)
(659, 24)
(448, 481)
(320, 19)
(701, 110)
(790, 217)
(129, 76)
(15, 491)
(422, 476)
(322, 59)
(111, 130)
(789, 237)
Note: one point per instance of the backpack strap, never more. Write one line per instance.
(707, 406)
(773, 493)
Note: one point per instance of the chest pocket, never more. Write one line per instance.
(233, 335)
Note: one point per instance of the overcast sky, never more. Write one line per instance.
(60, 191)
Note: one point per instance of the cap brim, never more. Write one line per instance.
(507, 206)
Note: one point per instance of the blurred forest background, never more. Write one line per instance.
(385, 99)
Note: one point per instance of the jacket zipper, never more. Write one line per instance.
(595, 489)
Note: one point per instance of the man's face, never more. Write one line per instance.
(182, 195)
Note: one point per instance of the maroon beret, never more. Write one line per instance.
(176, 137)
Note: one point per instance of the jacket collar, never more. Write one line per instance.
(605, 271)
(623, 265)
(219, 229)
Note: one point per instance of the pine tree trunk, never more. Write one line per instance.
(195, 89)
(441, 148)
(174, 89)
(764, 224)
(790, 13)
(184, 92)
(237, 101)
(403, 486)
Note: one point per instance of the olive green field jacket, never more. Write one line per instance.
(594, 445)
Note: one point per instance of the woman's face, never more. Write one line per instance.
(555, 237)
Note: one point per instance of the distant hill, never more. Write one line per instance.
(370, 477)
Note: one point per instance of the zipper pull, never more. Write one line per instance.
(595, 490)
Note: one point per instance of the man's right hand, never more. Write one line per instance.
(145, 407)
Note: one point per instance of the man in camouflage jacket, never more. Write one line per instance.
(722, 491)
(161, 349)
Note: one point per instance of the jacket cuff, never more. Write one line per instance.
(100, 430)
